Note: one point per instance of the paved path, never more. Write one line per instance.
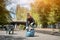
(20, 35)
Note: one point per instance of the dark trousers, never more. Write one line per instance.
(11, 30)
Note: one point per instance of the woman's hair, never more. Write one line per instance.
(28, 14)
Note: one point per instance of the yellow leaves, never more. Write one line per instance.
(47, 9)
(5, 17)
(47, 1)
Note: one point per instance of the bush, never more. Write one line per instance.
(22, 27)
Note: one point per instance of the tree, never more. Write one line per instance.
(35, 15)
(47, 9)
(4, 14)
(42, 9)
(21, 13)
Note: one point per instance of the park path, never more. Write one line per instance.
(20, 35)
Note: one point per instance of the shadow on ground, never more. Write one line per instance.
(48, 32)
(3, 37)
(12, 34)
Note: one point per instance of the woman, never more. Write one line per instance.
(30, 22)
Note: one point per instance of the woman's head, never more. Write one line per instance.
(28, 15)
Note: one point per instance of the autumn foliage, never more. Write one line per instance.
(48, 10)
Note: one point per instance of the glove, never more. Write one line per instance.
(27, 28)
(31, 23)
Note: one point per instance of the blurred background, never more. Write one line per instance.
(45, 12)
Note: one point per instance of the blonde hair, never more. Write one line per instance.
(28, 15)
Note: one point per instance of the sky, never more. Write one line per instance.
(11, 5)
(26, 3)
(23, 3)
